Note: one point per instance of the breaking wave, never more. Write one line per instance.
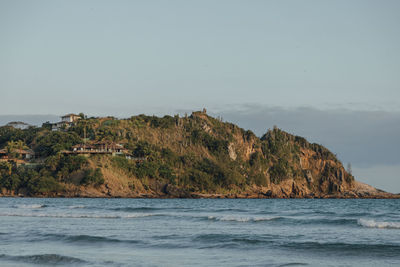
(94, 216)
(289, 220)
(293, 264)
(381, 225)
(136, 209)
(242, 218)
(77, 207)
(31, 206)
(123, 232)
(82, 239)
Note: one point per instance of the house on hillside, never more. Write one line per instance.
(17, 155)
(3, 155)
(101, 147)
(67, 121)
(83, 148)
(18, 125)
(70, 117)
(107, 146)
(25, 154)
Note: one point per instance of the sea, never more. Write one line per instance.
(199, 232)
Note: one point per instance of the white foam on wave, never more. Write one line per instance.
(241, 218)
(77, 207)
(381, 225)
(31, 206)
(63, 215)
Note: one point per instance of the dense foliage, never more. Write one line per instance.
(197, 153)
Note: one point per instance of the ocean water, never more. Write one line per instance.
(199, 232)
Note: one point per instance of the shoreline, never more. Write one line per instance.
(393, 196)
(284, 190)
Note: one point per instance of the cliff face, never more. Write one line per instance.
(195, 156)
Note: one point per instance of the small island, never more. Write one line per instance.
(194, 156)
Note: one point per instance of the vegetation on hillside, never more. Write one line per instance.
(197, 153)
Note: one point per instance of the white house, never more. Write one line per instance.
(18, 125)
(66, 122)
(70, 117)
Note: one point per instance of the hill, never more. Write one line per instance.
(191, 156)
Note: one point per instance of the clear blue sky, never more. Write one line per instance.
(274, 60)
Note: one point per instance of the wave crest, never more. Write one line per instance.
(77, 207)
(77, 215)
(31, 206)
(45, 259)
(136, 209)
(90, 239)
(381, 225)
(242, 218)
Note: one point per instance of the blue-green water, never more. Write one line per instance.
(199, 232)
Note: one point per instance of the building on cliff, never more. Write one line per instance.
(70, 117)
(67, 121)
(18, 125)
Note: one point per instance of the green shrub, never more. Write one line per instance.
(280, 171)
(143, 149)
(200, 180)
(61, 166)
(146, 169)
(259, 179)
(214, 145)
(10, 182)
(43, 184)
(164, 122)
(169, 157)
(53, 142)
(166, 172)
(122, 163)
(93, 177)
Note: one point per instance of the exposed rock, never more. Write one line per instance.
(309, 177)
(173, 191)
(232, 153)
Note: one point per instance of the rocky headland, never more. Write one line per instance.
(194, 156)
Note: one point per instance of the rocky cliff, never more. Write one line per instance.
(192, 156)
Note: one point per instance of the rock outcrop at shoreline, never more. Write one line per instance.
(194, 156)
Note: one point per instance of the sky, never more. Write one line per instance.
(326, 70)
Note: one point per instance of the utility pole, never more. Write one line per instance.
(84, 136)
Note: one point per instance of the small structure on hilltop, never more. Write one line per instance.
(67, 121)
(70, 117)
(18, 125)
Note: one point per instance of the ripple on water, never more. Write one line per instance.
(45, 259)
